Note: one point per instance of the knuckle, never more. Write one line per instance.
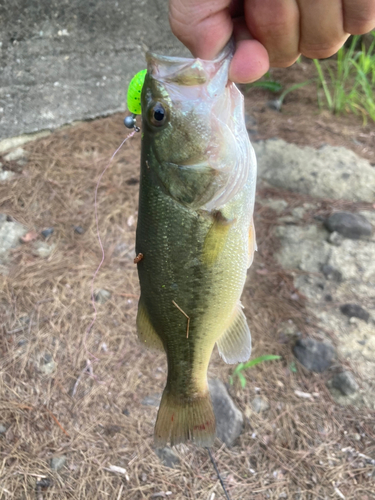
(319, 51)
(360, 21)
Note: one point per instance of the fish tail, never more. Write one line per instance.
(180, 420)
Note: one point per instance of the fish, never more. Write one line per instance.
(195, 236)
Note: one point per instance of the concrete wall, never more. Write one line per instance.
(69, 60)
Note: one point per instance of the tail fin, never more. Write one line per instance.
(180, 420)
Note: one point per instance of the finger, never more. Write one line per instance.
(250, 60)
(275, 23)
(204, 26)
(359, 16)
(322, 31)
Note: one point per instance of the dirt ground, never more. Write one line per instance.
(66, 392)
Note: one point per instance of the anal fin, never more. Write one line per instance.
(235, 343)
(146, 332)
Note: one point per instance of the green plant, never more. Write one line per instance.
(238, 371)
(276, 87)
(350, 85)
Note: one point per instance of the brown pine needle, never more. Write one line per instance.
(186, 316)
(57, 422)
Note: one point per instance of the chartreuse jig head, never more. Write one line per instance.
(134, 99)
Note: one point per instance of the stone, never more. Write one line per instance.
(275, 204)
(58, 463)
(151, 400)
(274, 104)
(353, 226)
(46, 233)
(345, 383)
(335, 238)
(314, 355)
(229, 419)
(6, 175)
(20, 140)
(47, 365)
(303, 247)
(258, 404)
(43, 249)
(102, 296)
(315, 172)
(16, 155)
(356, 311)
(3, 429)
(10, 234)
(79, 229)
(168, 457)
(331, 273)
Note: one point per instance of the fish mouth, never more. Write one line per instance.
(190, 72)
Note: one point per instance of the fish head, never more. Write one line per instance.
(193, 129)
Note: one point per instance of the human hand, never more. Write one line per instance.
(268, 32)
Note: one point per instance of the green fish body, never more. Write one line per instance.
(195, 233)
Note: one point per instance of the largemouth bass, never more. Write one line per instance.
(195, 235)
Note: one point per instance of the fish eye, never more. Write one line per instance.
(158, 114)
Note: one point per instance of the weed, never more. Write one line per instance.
(238, 371)
(350, 85)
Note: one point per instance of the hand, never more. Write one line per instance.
(268, 32)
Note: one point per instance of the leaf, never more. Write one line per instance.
(271, 85)
(260, 359)
(292, 367)
(242, 380)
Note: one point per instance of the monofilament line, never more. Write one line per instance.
(218, 474)
(98, 234)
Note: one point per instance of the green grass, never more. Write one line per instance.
(349, 84)
(238, 371)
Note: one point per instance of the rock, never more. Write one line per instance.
(46, 233)
(277, 205)
(303, 247)
(168, 457)
(19, 140)
(353, 226)
(10, 234)
(6, 175)
(316, 172)
(18, 155)
(274, 104)
(47, 364)
(229, 419)
(102, 296)
(335, 238)
(313, 355)
(58, 463)
(151, 400)
(355, 310)
(79, 229)
(345, 383)
(3, 429)
(331, 273)
(43, 249)
(259, 404)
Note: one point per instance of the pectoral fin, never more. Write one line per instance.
(146, 332)
(235, 344)
(252, 243)
(216, 238)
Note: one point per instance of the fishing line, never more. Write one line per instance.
(98, 235)
(218, 474)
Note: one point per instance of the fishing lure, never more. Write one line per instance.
(134, 98)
